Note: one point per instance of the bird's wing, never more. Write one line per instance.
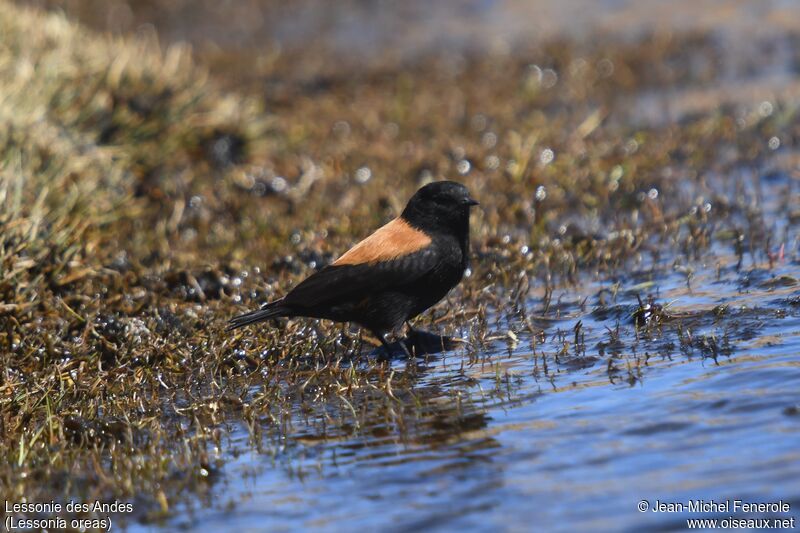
(391, 241)
(339, 283)
(395, 254)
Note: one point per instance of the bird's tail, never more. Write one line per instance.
(270, 310)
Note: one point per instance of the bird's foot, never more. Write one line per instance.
(392, 347)
(418, 343)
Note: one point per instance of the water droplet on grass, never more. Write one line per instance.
(363, 175)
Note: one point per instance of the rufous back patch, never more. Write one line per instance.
(395, 239)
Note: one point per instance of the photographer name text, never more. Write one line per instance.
(720, 506)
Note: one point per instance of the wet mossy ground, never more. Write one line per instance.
(143, 203)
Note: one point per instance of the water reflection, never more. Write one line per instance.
(417, 343)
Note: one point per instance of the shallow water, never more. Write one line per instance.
(576, 445)
(542, 427)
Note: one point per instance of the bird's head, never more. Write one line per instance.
(440, 206)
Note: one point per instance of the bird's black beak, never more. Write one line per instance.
(469, 201)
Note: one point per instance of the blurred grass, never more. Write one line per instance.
(100, 141)
(141, 205)
(99, 137)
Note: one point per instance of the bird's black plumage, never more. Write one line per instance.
(393, 275)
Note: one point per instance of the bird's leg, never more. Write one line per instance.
(412, 333)
(359, 342)
(384, 337)
(385, 340)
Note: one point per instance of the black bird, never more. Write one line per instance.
(393, 275)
